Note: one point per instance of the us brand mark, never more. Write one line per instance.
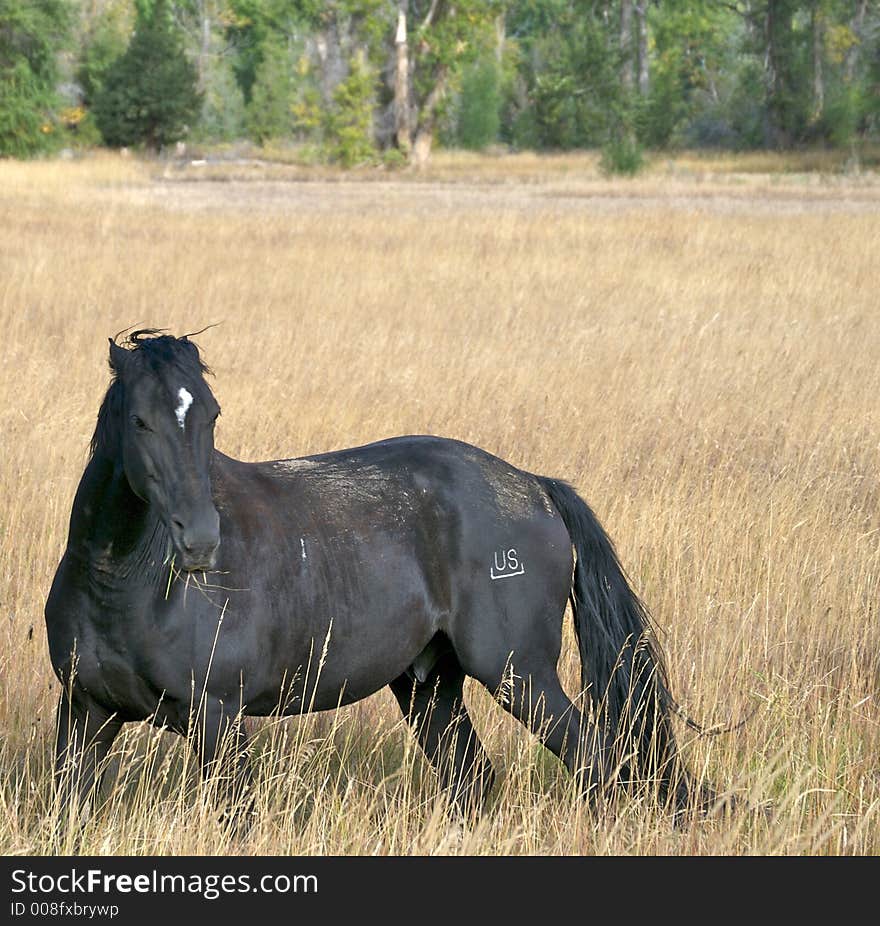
(506, 564)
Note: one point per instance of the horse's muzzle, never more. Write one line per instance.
(199, 561)
(197, 540)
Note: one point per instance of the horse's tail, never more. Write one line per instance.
(621, 663)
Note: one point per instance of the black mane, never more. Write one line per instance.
(157, 350)
(151, 350)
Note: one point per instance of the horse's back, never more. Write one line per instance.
(457, 487)
(491, 545)
(449, 468)
(469, 516)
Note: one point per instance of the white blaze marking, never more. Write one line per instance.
(302, 543)
(185, 401)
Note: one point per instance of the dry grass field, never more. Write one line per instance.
(696, 350)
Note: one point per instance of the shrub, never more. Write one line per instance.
(26, 123)
(349, 129)
(32, 32)
(622, 155)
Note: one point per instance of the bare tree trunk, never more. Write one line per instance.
(402, 133)
(852, 53)
(196, 22)
(333, 64)
(205, 46)
(772, 75)
(642, 27)
(421, 149)
(818, 29)
(626, 57)
(500, 38)
(777, 31)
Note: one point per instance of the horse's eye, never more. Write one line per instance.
(139, 423)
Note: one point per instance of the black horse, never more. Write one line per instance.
(196, 588)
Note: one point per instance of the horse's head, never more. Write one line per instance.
(163, 415)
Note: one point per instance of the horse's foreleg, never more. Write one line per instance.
(221, 744)
(83, 736)
(436, 710)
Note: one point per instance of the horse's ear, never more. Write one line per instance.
(118, 357)
(192, 349)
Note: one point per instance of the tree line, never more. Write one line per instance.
(360, 81)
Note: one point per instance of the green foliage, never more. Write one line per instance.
(784, 49)
(392, 158)
(349, 130)
(257, 29)
(270, 113)
(105, 40)
(32, 32)
(309, 116)
(720, 74)
(622, 155)
(149, 94)
(695, 59)
(571, 72)
(745, 112)
(479, 104)
(248, 31)
(871, 90)
(26, 126)
(840, 119)
(288, 93)
(544, 74)
(372, 22)
(78, 129)
(223, 116)
(455, 36)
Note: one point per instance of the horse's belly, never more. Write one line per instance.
(329, 671)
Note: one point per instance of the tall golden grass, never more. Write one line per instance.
(696, 350)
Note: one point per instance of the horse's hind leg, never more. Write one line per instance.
(436, 710)
(538, 700)
(515, 660)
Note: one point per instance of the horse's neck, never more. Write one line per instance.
(111, 530)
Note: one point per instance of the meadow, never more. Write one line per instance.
(695, 349)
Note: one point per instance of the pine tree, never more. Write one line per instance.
(149, 94)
